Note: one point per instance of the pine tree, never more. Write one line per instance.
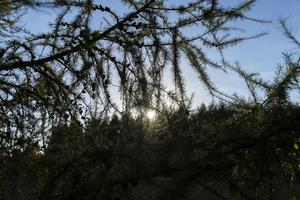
(70, 71)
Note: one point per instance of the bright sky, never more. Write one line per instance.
(259, 55)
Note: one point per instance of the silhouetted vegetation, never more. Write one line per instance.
(220, 150)
(63, 134)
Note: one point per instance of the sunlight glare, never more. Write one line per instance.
(151, 114)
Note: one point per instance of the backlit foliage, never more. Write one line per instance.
(65, 135)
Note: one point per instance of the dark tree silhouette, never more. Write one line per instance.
(68, 73)
(62, 135)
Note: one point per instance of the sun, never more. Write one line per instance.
(151, 114)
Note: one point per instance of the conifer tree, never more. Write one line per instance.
(68, 73)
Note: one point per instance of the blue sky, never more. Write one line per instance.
(260, 55)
